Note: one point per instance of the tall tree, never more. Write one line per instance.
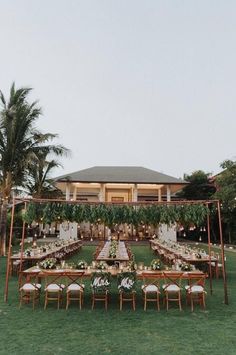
(40, 184)
(226, 193)
(200, 186)
(20, 142)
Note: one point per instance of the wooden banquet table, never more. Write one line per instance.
(113, 270)
(121, 254)
(188, 258)
(38, 257)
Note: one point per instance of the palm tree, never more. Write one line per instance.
(39, 184)
(20, 144)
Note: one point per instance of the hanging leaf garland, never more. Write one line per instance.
(186, 215)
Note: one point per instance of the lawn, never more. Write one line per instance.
(98, 332)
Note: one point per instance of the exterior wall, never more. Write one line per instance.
(68, 230)
(167, 233)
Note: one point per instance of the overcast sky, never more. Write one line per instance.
(128, 82)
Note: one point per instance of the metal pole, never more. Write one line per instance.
(9, 252)
(226, 300)
(209, 248)
(22, 247)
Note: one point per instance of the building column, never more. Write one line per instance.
(135, 193)
(168, 193)
(159, 195)
(75, 193)
(102, 193)
(67, 191)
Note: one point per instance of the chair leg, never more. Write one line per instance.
(134, 301)
(93, 301)
(158, 302)
(203, 301)
(145, 302)
(180, 306)
(20, 304)
(46, 300)
(120, 301)
(58, 300)
(67, 300)
(191, 303)
(106, 299)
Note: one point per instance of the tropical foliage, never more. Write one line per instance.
(184, 214)
(226, 193)
(21, 144)
(200, 187)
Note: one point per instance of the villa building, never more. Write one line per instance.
(118, 184)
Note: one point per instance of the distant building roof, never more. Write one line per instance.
(119, 174)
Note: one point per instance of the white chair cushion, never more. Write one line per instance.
(30, 287)
(150, 288)
(194, 289)
(54, 287)
(171, 288)
(75, 287)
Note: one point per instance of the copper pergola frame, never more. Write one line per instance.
(207, 203)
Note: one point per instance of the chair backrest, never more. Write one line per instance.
(100, 281)
(54, 277)
(126, 281)
(196, 279)
(151, 278)
(74, 277)
(173, 278)
(29, 278)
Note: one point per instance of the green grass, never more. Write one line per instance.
(98, 332)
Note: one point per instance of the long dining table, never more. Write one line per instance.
(87, 273)
(37, 256)
(190, 258)
(121, 253)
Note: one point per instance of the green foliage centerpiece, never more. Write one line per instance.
(113, 249)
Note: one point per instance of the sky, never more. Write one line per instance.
(128, 82)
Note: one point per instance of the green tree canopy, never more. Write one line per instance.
(200, 186)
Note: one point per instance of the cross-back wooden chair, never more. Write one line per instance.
(195, 290)
(29, 288)
(100, 285)
(151, 288)
(54, 287)
(172, 288)
(126, 287)
(75, 288)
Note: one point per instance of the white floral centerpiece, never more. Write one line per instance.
(156, 264)
(82, 265)
(113, 249)
(49, 263)
(186, 267)
(102, 265)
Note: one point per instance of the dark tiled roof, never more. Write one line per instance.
(120, 174)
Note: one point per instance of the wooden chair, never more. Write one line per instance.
(29, 288)
(53, 287)
(100, 284)
(217, 268)
(195, 291)
(172, 288)
(126, 287)
(75, 288)
(151, 288)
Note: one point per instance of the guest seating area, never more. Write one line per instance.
(63, 286)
